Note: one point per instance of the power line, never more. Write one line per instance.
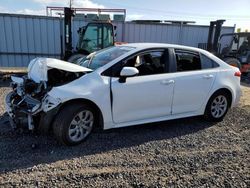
(186, 14)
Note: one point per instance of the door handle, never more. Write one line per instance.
(208, 76)
(167, 82)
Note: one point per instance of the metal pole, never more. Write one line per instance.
(61, 36)
(181, 32)
(210, 35)
(70, 3)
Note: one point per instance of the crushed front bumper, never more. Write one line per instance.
(9, 110)
(8, 104)
(21, 110)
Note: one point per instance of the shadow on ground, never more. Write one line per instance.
(17, 153)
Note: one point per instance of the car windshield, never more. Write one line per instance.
(102, 57)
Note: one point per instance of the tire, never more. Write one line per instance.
(69, 128)
(233, 62)
(75, 57)
(215, 104)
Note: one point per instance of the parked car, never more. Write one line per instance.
(122, 86)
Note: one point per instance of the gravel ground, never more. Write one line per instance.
(182, 153)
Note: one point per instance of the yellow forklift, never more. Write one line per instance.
(98, 33)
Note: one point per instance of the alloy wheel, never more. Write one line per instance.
(219, 106)
(81, 125)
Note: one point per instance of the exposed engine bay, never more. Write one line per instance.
(59, 77)
(30, 98)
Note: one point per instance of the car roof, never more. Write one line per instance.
(162, 45)
(145, 46)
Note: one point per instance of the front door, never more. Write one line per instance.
(148, 95)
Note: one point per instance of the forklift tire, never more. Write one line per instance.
(233, 62)
(75, 57)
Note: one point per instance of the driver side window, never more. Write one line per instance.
(151, 63)
(147, 63)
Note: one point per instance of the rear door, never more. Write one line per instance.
(193, 80)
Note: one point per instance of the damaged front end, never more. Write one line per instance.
(26, 102)
(29, 102)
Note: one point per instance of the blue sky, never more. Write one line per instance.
(202, 11)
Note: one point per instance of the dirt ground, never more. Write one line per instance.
(245, 98)
(181, 153)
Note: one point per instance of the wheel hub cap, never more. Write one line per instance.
(81, 125)
(219, 106)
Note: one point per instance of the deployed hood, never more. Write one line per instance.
(38, 67)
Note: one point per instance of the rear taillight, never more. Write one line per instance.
(238, 74)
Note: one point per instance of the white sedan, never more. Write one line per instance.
(122, 86)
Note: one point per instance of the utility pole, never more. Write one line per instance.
(70, 3)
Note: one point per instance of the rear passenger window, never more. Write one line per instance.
(187, 61)
(207, 63)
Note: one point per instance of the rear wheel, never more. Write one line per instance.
(217, 106)
(74, 123)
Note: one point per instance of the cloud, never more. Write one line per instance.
(76, 3)
(134, 16)
(31, 12)
(23, 11)
(3, 9)
(86, 4)
(63, 3)
(49, 2)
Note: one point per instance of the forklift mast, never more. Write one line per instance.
(68, 14)
(213, 37)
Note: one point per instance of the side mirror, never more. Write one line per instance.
(127, 72)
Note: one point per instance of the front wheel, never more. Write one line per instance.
(74, 123)
(217, 106)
